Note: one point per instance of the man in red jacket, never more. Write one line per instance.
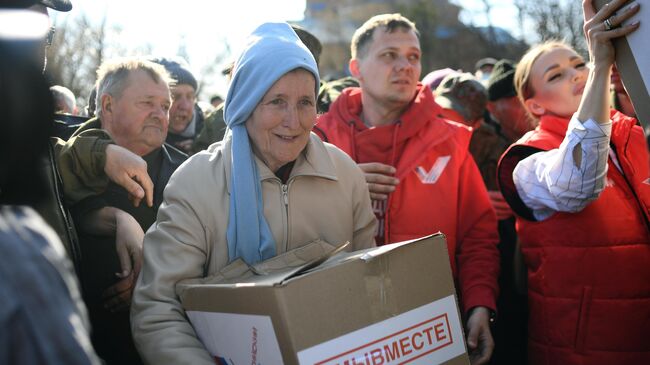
(420, 175)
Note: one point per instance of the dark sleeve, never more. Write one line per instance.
(87, 205)
(506, 182)
(477, 254)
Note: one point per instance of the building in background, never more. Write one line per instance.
(445, 40)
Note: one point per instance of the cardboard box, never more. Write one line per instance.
(393, 304)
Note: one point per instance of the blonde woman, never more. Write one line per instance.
(578, 184)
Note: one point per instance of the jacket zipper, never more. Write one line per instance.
(285, 200)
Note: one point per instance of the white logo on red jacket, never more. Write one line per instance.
(432, 176)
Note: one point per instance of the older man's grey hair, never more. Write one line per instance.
(112, 77)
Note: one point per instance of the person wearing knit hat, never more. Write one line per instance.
(185, 116)
(271, 186)
(501, 84)
(503, 103)
(178, 69)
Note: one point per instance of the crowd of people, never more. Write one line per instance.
(535, 170)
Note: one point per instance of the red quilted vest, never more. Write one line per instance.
(588, 272)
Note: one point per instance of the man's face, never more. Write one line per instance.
(390, 68)
(182, 109)
(138, 119)
(511, 115)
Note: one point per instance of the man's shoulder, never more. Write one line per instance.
(92, 123)
(445, 130)
(65, 125)
(327, 126)
(215, 117)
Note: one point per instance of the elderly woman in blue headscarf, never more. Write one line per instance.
(270, 187)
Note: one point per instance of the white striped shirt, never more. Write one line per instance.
(552, 181)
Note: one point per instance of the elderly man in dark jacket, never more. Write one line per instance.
(133, 101)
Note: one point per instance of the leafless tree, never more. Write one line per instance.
(77, 50)
(447, 42)
(212, 69)
(556, 19)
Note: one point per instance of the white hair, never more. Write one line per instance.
(112, 77)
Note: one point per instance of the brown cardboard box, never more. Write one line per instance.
(388, 305)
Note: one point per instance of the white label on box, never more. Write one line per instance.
(430, 334)
(237, 338)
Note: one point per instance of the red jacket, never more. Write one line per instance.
(440, 186)
(588, 272)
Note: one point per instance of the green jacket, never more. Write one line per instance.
(330, 91)
(214, 129)
(81, 161)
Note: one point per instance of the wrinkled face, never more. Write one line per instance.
(279, 126)
(558, 79)
(512, 117)
(182, 109)
(389, 68)
(138, 119)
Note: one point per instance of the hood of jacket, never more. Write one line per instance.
(420, 122)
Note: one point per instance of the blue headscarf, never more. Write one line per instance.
(273, 49)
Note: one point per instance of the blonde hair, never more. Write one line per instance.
(522, 72)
